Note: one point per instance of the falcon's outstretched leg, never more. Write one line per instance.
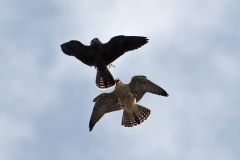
(111, 65)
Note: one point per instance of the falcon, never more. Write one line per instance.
(102, 55)
(126, 96)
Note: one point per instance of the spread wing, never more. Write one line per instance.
(79, 50)
(118, 45)
(105, 103)
(139, 85)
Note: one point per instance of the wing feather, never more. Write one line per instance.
(139, 85)
(118, 45)
(105, 103)
(79, 50)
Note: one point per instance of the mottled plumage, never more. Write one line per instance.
(101, 55)
(126, 96)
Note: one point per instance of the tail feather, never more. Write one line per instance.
(126, 121)
(136, 119)
(144, 113)
(104, 79)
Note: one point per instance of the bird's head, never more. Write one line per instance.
(118, 82)
(95, 40)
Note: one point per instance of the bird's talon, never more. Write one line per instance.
(111, 65)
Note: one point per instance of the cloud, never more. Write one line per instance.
(14, 133)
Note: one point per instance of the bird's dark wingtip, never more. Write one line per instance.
(166, 94)
(90, 127)
(146, 39)
(67, 48)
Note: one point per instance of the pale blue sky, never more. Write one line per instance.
(46, 96)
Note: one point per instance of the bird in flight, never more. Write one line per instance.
(100, 55)
(126, 96)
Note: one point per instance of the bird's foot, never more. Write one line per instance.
(134, 95)
(111, 65)
(120, 105)
(135, 98)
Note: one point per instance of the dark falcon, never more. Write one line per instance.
(102, 55)
(126, 96)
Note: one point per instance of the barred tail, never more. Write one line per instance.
(104, 79)
(144, 113)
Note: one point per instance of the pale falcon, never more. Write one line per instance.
(126, 96)
(101, 55)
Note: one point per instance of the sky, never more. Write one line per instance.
(46, 97)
